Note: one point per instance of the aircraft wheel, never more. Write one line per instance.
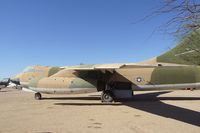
(38, 96)
(107, 97)
(18, 87)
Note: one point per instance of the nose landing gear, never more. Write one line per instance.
(38, 96)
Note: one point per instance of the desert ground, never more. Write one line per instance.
(148, 112)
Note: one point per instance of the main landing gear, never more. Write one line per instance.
(107, 96)
(38, 96)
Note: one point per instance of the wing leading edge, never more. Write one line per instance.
(119, 66)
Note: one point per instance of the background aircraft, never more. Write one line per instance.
(176, 69)
(4, 83)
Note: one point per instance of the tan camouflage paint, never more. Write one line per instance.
(41, 71)
(133, 74)
(54, 82)
(37, 72)
(65, 73)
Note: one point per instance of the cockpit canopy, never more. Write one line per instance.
(32, 69)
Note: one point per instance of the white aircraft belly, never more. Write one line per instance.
(166, 86)
(63, 90)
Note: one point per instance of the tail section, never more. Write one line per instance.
(187, 52)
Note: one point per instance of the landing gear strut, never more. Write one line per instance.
(38, 96)
(18, 87)
(107, 96)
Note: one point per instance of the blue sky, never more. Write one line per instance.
(70, 32)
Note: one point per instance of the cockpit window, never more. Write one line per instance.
(31, 69)
(28, 69)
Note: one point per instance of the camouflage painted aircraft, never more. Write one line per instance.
(176, 69)
(32, 72)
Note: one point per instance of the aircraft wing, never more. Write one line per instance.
(118, 66)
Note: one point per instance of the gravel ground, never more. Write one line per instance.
(148, 112)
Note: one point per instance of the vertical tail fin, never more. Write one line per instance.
(187, 52)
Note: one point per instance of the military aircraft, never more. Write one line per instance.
(4, 83)
(176, 69)
(32, 72)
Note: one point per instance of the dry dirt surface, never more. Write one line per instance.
(148, 112)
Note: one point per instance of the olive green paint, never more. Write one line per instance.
(53, 70)
(175, 75)
(80, 83)
(34, 82)
(187, 52)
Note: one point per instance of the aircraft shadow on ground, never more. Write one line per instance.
(3, 91)
(151, 103)
(165, 110)
(73, 98)
(90, 104)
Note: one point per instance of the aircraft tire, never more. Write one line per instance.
(38, 96)
(18, 87)
(107, 96)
